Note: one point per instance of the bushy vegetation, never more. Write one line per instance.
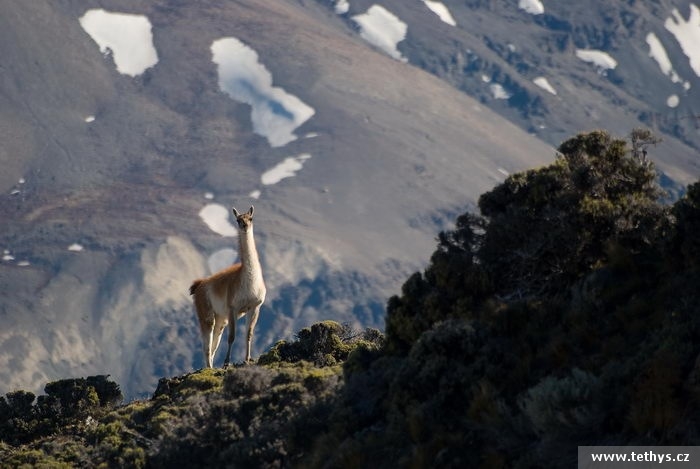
(247, 416)
(65, 402)
(564, 313)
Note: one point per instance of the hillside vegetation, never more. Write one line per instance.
(562, 314)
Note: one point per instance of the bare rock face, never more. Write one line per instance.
(121, 123)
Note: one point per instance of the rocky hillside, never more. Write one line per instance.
(555, 68)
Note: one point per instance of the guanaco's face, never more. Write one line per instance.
(244, 220)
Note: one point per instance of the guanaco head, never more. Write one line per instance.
(245, 220)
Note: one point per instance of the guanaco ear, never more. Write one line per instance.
(235, 212)
(250, 212)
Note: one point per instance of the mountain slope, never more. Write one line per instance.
(120, 166)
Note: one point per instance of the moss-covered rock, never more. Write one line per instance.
(326, 343)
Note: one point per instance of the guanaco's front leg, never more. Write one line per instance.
(252, 321)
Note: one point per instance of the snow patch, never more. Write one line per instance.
(543, 83)
(254, 194)
(23, 264)
(687, 34)
(383, 29)
(75, 247)
(673, 101)
(342, 6)
(498, 91)
(441, 11)
(287, 168)
(128, 37)
(658, 53)
(216, 216)
(600, 59)
(275, 113)
(221, 259)
(89, 119)
(534, 7)
(209, 195)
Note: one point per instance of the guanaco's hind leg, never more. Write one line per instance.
(206, 326)
(219, 326)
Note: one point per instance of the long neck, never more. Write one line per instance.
(249, 254)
